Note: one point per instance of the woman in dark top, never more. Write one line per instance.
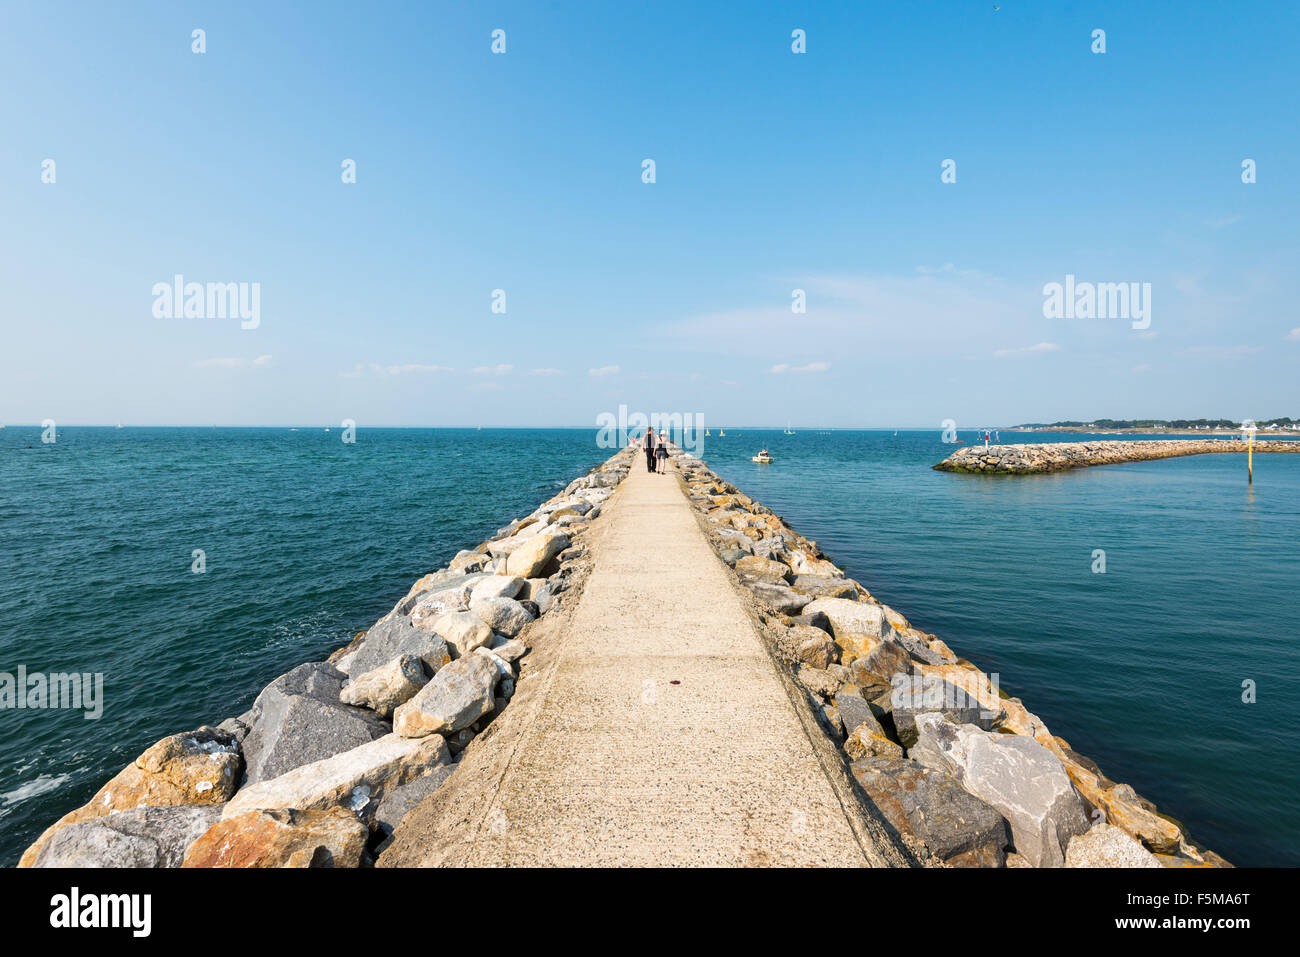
(661, 453)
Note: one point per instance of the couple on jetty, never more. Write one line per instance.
(656, 450)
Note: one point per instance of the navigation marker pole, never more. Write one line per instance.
(1248, 433)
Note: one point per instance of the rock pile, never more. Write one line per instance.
(333, 754)
(1060, 456)
(934, 744)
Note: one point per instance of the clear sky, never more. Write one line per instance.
(522, 171)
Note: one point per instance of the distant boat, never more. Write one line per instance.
(763, 458)
(327, 429)
(721, 432)
(706, 431)
(119, 425)
(787, 428)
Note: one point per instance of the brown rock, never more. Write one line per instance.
(199, 767)
(763, 569)
(281, 838)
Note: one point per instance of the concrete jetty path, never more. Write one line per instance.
(656, 729)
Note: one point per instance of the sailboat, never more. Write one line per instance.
(706, 432)
(119, 425)
(787, 427)
(721, 432)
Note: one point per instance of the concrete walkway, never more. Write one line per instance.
(662, 734)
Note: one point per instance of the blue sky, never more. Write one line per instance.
(522, 172)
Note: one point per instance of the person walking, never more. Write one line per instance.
(648, 443)
(661, 454)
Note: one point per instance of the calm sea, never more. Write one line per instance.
(308, 540)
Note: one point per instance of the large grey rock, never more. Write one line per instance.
(854, 710)
(918, 649)
(929, 805)
(875, 660)
(544, 597)
(504, 615)
(458, 695)
(1108, 846)
(532, 558)
(850, 618)
(387, 686)
(143, 837)
(921, 694)
(1019, 777)
(400, 801)
(806, 644)
(463, 631)
(392, 638)
(356, 780)
(495, 586)
(299, 719)
(824, 586)
(427, 606)
(779, 598)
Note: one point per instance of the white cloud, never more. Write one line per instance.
(217, 363)
(811, 367)
(410, 368)
(1224, 221)
(503, 369)
(415, 368)
(930, 311)
(231, 363)
(604, 371)
(547, 372)
(1223, 352)
(1294, 334)
(1028, 350)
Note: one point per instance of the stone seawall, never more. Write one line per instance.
(1030, 458)
(333, 754)
(936, 745)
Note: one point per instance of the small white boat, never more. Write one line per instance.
(762, 458)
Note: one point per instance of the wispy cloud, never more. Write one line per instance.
(1224, 221)
(1036, 349)
(943, 308)
(604, 371)
(231, 363)
(783, 367)
(502, 369)
(1294, 334)
(547, 372)
(410, 368)
(1223, 352)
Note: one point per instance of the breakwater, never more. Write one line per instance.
(938, 746)
(353, 759)
(1026, 459)
(333, 753)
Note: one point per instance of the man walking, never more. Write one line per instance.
(648, 443)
